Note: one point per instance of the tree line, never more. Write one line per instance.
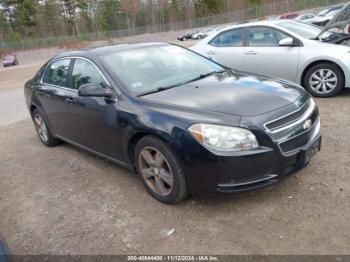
(31, 19)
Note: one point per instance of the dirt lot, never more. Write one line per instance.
(64, 201)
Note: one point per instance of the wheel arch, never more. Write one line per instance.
(131, 146)
(133, 140)
(307, 68)
(32, 108)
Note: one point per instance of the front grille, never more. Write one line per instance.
(294, 143)
(287, 120)
(301, 139)
(294, 130)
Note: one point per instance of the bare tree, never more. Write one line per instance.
(132, 9)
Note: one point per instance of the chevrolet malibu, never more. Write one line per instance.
(184, 123)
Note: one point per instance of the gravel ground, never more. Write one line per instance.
(62, 200)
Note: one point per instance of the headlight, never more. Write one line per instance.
(223, 138)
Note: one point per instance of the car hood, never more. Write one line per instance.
(341, 19)
(231, 93)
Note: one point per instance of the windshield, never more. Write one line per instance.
(328, 11)
(333, 13)
(303, 29)
(148, 69)
(323, 12)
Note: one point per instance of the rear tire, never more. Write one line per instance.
(43, 129)
(161, 170)
(324, 80)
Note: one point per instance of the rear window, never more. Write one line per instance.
(230, 38)
(39, 74)
(57, 73)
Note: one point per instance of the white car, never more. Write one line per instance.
(322, 20)
(282, 49)
(202, 34)
(304, 17)
(325, 15)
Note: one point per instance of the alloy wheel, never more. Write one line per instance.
(323, 81)
(41, 128)
(155, 171)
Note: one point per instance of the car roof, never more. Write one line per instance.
(256, 23)
(92, 52)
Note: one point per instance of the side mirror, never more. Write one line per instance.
(288, 41)
(94, 90)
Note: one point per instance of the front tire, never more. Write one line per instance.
(161, 170)
(324, 80)
(43, 129)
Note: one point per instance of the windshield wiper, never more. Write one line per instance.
(204, 76)
(159, 89)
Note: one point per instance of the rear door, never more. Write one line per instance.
(54, 94)
(265, 56)
(228, 48)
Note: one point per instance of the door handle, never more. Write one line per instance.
(69, 100)
(211, 52)
(43, 94)
(251, 53)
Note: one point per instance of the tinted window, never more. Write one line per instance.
(231, 38)
(85, 72)
(265, 37)
(57, 73)
(40, 73)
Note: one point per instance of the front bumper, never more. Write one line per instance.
(248, 170)
(280, 155)
(286, 167)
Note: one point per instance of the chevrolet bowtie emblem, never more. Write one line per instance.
(307, 124)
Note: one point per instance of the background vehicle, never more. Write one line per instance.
(10, 60)
(323, 20)
(324, 16)
(336, 31)
(304, 17)
(288, 48)
(327, 10)
(186, 124)
(289, 15)
(187, 35)
(202, 34)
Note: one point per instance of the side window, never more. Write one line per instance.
(265, 37)
(85, 72)
(40, 73)
(230, 38)
(57, 73)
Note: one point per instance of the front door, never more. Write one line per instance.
(265, 56)
(94, 120)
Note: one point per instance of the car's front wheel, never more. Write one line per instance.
(43, 129)
(161, 170)
(324, 80)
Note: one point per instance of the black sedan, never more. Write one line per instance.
(187, 35)
(10, 60)
(187, 125)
